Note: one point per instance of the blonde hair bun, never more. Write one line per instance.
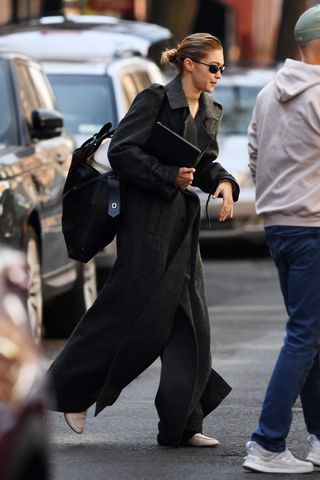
(169, 56)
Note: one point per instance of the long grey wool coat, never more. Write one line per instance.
(153, 303)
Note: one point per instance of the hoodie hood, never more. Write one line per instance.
(294, 78)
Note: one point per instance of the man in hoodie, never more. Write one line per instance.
(284, 148)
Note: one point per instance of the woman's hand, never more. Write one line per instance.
(185, 177)
(225, 189)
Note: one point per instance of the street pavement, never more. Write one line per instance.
(247, 319)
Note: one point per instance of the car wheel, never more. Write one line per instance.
(63, 315)
(34, 300)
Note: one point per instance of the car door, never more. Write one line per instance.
(47, 167)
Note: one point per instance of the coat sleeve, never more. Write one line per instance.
(210, 173)
(126, 154)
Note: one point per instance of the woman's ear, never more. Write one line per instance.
(188, 64)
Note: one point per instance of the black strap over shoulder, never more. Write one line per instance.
(158, 87)
(163, 89)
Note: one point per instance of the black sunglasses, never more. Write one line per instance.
(213, 67)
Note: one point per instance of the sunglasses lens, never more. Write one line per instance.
(214, 68)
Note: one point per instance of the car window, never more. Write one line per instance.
(129, 88)
(86, 101)
(43, 88)
(238, 103)
(8, 130)
(27, 91)
(133, 83)
(142, 80)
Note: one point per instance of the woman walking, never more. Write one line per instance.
(153, 303)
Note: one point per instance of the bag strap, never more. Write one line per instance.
(114, 195)
(158, 86)
(163, 104)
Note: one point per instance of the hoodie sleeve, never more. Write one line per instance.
(253, 146)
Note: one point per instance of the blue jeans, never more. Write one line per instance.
(296, 253)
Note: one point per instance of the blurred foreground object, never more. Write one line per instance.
(23, 439)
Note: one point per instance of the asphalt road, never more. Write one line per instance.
(247, 319)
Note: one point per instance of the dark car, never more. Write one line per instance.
(35, 155)
(23, 433)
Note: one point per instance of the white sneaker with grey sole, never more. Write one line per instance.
(259, 459)
(314, 453)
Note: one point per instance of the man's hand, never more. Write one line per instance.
(225, 188)
(185, 177)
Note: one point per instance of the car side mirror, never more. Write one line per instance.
(46, 123)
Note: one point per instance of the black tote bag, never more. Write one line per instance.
(91, 202)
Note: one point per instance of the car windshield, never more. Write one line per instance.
(237, 102)
(86, 101)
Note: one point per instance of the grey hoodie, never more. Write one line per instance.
(284, 147)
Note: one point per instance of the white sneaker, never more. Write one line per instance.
(76, 421)
(314, 454)
(200, 440)
(259, 459)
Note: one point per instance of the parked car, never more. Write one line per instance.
(23, 434)
(89, 94)
(236, 92)
(35, 155)
(95, 73)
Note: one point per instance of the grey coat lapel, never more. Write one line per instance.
(210, 116)
(210, 111)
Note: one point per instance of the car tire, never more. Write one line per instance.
(35, 295)
(30, 459)
(64, 313)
